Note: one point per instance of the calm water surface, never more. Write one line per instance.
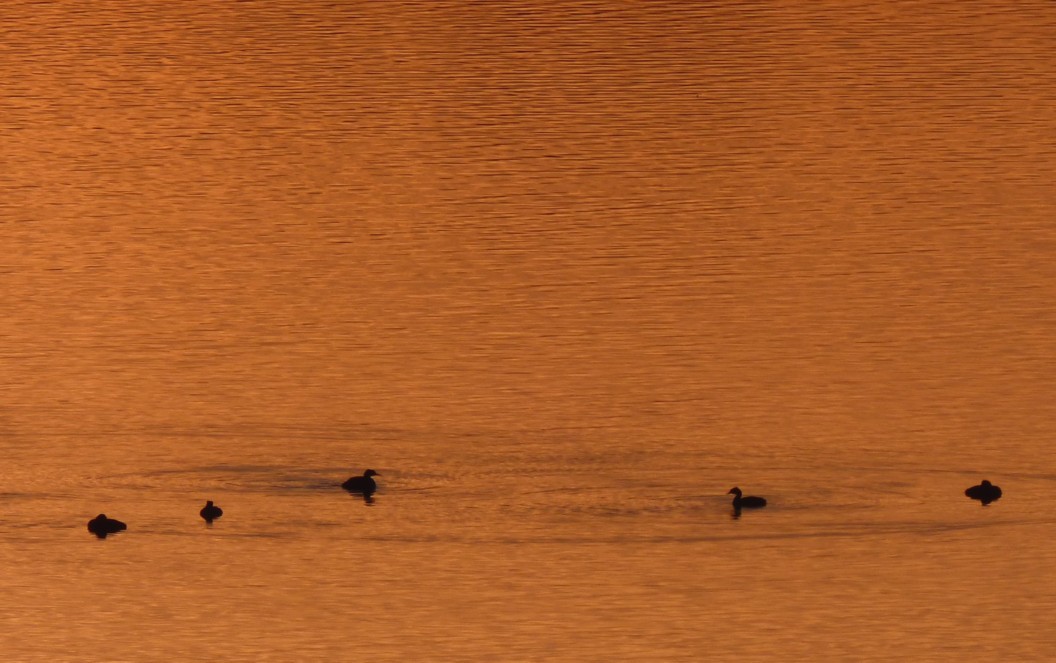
(563, 273)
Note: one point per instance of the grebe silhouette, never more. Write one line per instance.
(101, 526)
(210, 512)
(364, 484)
(749, 502)
(985, 492)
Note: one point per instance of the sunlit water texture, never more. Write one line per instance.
(563, 274)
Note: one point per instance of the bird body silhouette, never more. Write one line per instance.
(101, 526)
(750, 502)
(210, 512)
(364, 484)
(985, 492)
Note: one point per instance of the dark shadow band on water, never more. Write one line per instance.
(859, 532)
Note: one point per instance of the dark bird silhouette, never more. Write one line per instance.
(364, 484)
(101, 526)
(985, 492)
(210, 512)
(749, 502)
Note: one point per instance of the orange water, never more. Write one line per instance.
(563, 273)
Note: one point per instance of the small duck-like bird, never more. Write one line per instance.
(101, 526)
(210, 512)
(750, 502)
(985, 492)
(364, 484)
